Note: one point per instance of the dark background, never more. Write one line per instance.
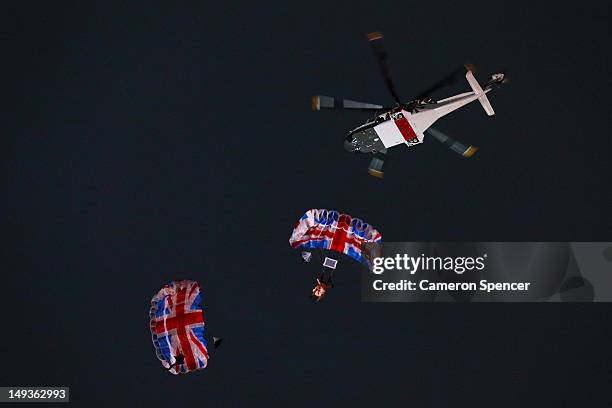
(144, 143)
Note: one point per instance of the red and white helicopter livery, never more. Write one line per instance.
(406, 123)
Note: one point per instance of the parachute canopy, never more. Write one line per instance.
(330, 230)
(177, 327)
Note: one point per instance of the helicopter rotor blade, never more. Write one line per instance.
(320, 102)
(376, 167)
(445, 82)
(454, 145)
(376, 41)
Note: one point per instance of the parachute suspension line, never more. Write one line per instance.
(322, 253)
(326, 274)
(319, 248)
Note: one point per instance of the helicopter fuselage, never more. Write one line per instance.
(404, 124)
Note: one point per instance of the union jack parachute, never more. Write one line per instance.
(331, 230)
(177, 327)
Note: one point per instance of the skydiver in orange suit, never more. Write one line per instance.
(320, 290)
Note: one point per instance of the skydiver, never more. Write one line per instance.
(178, 360)
(321, 287)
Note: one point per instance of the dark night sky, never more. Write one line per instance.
(143, 144)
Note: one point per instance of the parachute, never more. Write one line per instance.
(330, 230)
(177, 327)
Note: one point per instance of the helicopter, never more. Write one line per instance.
(406, 123)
